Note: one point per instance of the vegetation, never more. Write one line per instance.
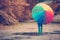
(14, 11)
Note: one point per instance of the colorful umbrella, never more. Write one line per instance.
(43, 14)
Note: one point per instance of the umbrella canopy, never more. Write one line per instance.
(42, 13)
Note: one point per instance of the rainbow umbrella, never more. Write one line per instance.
(43, 14)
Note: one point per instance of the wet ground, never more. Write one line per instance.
(28, 31)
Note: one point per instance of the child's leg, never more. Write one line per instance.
(39, 28)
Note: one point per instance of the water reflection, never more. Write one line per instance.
(29, 35)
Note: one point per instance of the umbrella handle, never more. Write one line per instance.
(40, 29)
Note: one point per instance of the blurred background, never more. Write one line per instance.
(14, 11)
(16, 22)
